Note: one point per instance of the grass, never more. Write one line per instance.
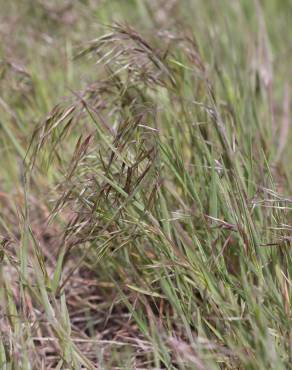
(145, 185)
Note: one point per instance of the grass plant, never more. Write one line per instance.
(145, 185)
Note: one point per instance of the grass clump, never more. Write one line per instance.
(153, 206)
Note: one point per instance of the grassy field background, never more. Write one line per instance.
(145, 184)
